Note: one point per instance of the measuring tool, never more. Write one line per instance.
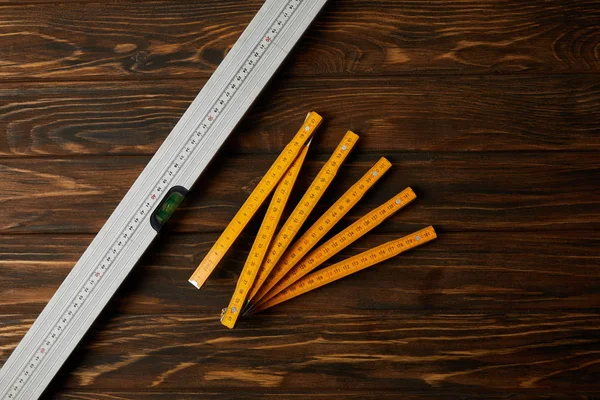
(154, 196)
(322, 226)
(350, 266)
(258, 196)
(290, 228)
(284, 274)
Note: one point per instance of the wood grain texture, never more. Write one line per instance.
(470, 271)
(141, 39)
(337, 394)
(457, 191)
(490, 110)
(396, 113)
(391, 351)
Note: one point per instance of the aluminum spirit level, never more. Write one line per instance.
(155, 195)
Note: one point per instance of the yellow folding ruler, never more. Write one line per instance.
(289, 271)
(287, 232)
(276, 270)
(258, 196)
(350, 266)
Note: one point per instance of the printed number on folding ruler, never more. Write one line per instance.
(154, 196)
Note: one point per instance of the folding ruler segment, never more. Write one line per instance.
(350, 266)
(153, 197)
(258, 196)
(270, 222)
(284, 276)
(319, 229)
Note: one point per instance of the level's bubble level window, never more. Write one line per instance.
(168, 206)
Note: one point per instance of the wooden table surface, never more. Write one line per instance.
(489, 109)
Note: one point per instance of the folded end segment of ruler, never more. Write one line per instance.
(258, 196)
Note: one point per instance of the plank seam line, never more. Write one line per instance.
(203, 76)
(317, 153)
(550, 229)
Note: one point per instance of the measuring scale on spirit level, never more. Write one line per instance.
(152, 199)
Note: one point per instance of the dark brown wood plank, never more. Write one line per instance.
(437, 394)
(457, 191)
(460, 272)
(390, 351)
(439, 114)
(184, 39)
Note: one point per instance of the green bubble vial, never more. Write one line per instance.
(168, 207)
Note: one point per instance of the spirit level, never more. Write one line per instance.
(153, 197)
